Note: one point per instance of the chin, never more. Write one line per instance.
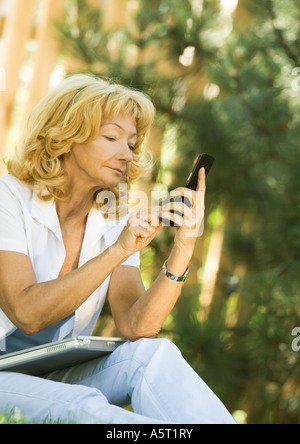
(109, 183)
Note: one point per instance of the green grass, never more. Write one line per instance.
(12, 418)
(15, 418)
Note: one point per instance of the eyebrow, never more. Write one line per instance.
(119, 126)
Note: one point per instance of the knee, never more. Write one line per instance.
(145, 350)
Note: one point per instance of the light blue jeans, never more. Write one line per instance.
(149, 373)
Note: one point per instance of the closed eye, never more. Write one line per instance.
(113, 139)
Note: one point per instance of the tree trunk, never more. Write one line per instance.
(16, 31)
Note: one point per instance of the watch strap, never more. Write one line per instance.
(172, 276)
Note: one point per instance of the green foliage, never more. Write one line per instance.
(12, 418)
(15, 417)
(248, 118)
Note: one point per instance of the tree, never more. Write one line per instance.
(232, 91)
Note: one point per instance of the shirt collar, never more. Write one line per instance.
(98, 226)
(45, 213)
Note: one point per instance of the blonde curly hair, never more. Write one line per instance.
(72, 113)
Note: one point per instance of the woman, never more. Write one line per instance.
(60, 256)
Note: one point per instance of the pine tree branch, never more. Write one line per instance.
(289, 52)
(258, 120)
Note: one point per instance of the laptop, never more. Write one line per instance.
(38, 361)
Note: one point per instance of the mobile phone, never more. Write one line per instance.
(203, 161)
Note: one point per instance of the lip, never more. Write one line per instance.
(121, 172)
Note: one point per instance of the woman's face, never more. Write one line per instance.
(107, 159)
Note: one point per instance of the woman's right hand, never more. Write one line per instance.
(141, 229)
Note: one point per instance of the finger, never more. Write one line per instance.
(142, 232)
(167, 217)
(183, 196)
(188, 201)
(179, 208)
(201, 180)
(185, 192)
(151, 217)
(145, 227)
(136, 221)
(186, 196)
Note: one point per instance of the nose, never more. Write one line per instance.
(125, 153)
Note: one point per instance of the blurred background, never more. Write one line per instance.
(225, 78)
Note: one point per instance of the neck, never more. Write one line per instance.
(75, 209)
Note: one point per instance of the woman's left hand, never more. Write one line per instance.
(190, 223)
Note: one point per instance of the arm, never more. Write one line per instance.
(33, 306)
(139, 313)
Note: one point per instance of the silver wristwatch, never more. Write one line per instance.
(172, 276)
